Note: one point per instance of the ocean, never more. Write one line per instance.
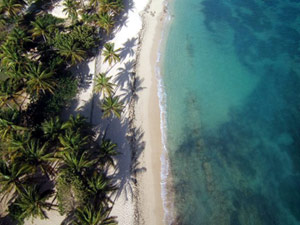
(231, 75)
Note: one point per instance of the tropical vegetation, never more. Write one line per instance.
(47, 163)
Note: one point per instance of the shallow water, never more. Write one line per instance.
(232, 78)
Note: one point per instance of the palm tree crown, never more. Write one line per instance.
(110, 54)
(32, 202)
(112, 106)
(105, 21)
(72, 51)
(39, 79)
(36, 156)
(11, 176)
(12, 7)
(89, 215)
(103, 85)
(111, 7)
(18, 37)
(71, 7)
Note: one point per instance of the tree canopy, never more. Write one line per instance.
(43, 157)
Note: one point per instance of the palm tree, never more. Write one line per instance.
(45, 26)
(9, 93)
(40, 28)
(90, 215)
(107, 151)
(12, 7)
(110, 54)
(18, 37)
(76, 163)
(112, 106)
(39, 79)
(111, 7)
(9, 123)
(99, 187)
(36, 157)
(11, 57)
(76, 123)
(71, 7)
(94, 3)
(17, 141)
(72, 141)
(71, 51)
(86, 16)
(52, 128)
(11, 177)
(32, 201)
(103, 85)
(105, 21)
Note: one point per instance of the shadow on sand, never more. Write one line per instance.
(122, 132)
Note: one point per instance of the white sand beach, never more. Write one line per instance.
(138, 133)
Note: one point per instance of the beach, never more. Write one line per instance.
(138, 135)
(148, 117)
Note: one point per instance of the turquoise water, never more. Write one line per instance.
(232, 80)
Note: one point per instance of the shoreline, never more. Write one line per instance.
(148, 116)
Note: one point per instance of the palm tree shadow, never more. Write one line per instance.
(69, 218)
(133, 87)
(82, 72)
(126, 179)
(127, 49)
(122, 19)
(125, 73)
(7, 220)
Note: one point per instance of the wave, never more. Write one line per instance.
(162, 96)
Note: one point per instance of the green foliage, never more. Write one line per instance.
(15, 212)
(18, 37)
(51, 105)
(71, 192)
(105, 21)
(39, 80)
(9, 120)
(64, 93)
(11, 177)
(69, 48)
(72, 141)
(3, 36)
(37, 157)
(70, 8)
(12, 7)
(32, 202)
(112, 106)
(92, 215)
(86, 36)
(36, 146)
(111, 7)
(9, 92)
(75, 44)
(52, 128)
(64, 195)
(76, 124)
(103, 85)
(11, 56)
(45, 26)
(108, 149)
(110, 53)
(52, 60)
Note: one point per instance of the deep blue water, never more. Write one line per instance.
(232, 77)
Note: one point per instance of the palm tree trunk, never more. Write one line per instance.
(44, 38)
(9, 106)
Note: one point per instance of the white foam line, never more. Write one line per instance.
(162, 96)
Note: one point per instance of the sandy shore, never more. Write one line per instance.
(148, 117)
(138, 134)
